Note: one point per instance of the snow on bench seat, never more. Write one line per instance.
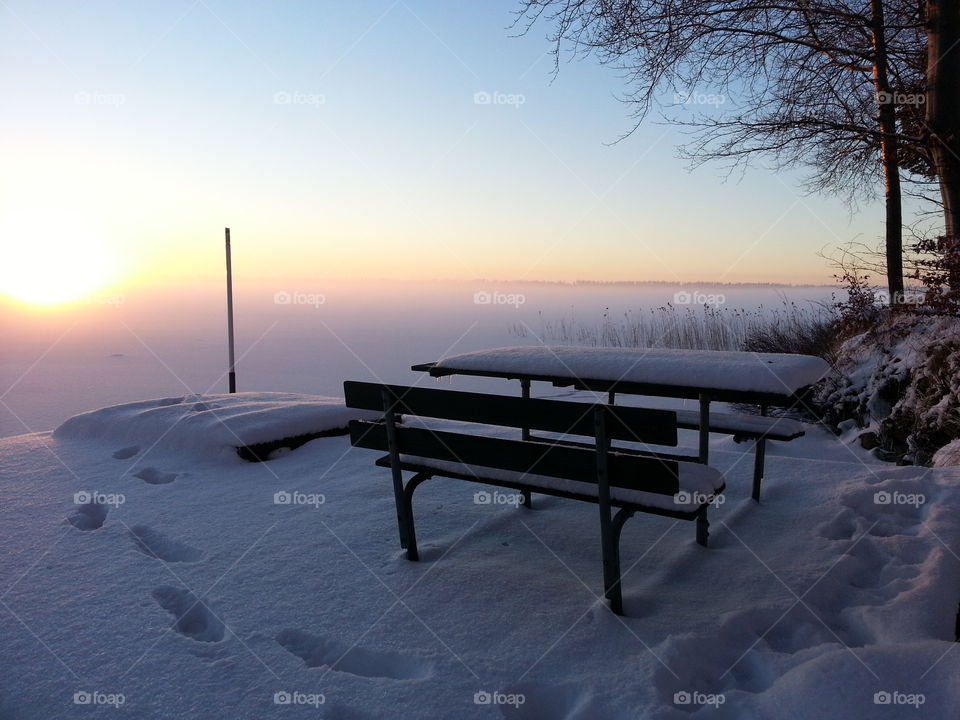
(696, 482)
(774, 373)
(750, 425)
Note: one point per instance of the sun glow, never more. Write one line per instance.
(51, 260)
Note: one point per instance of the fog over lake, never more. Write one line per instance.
(121, 347)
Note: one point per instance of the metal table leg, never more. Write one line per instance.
(704, 428)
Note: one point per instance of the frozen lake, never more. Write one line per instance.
(123, 348)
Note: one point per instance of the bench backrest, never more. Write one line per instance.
(523, 456)
(654, 427)
(538, 457)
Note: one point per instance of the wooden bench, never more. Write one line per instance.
(626, 482)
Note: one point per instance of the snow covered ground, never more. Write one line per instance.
(203, 586)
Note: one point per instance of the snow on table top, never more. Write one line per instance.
(777, 373)
(209, 423)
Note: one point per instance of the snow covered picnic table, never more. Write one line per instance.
(762, 379)
(744, 377)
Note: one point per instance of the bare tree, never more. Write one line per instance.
(831, 84)
(943, 118)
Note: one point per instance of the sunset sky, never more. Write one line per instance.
(346, 140)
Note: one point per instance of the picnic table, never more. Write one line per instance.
(762, 379)
(621, 483)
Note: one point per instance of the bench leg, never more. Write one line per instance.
(704, 429)
(611, 561)
(703, 526)
(402, 523)
(527, 500)
(525, 393)
(758, 458)
(408, 532)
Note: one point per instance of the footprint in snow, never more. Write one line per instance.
(896, 508)
(193, 618)
(316, 651)
(166, 402)
(89, 516)
(155, 544)
(842, 527)
(747, 651)
(127, 452)
(155, 477)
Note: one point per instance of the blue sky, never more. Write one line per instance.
(344, 140)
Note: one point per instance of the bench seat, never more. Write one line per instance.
(695, 482)
(750, 426)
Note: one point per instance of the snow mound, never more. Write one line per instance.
(739, 371)
(209, 424)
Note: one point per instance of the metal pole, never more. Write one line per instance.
(233, 366)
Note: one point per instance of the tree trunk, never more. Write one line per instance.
(889, 153)
(943, 119)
